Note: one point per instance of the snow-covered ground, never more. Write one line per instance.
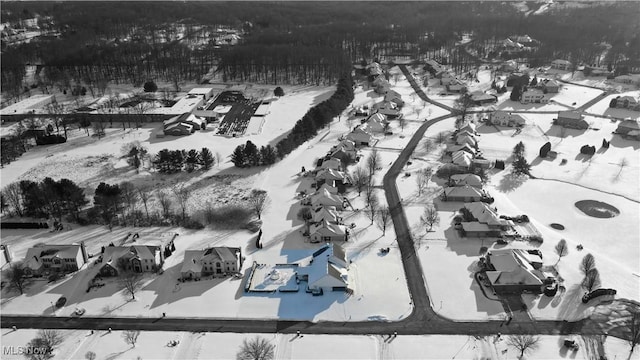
(602, 107)
(155, 345)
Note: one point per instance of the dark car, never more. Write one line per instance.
(597, 293)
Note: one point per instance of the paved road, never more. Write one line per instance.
(421, 93)
(422, 320)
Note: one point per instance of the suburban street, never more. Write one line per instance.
(423, 319)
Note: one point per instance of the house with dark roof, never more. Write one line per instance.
(503, 118)
(549, 86)
(54, 258)
(571, 119)
(482, 98)
(629, 129)
(561, 64)
(213, 261)
(135, 258)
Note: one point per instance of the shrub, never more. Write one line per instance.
(499, 165)
(544, 150)
(50, 139)
(588, 150)
(227, 216)
(192, 224)
(23, 225)
(150, 86)
(278, 92)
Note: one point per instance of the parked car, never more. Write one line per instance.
(79, 312)
(597, 293)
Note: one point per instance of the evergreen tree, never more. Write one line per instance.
(251, 154)
(108, 199)
(206, 159)
(534, 82)
(519, 150)
(268, 155)
(192, 160)
(613, 103)
(521, 166)
(176, 161)
(278, 92)
(515, 93)
(238, 158)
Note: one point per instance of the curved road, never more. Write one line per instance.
(422, 320)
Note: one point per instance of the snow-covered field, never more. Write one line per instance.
(155, 345)
(602, 107)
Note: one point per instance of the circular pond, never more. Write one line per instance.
(597, 209)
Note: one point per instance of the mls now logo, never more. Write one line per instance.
(23, 350)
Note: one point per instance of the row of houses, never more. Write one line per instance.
(213, 261)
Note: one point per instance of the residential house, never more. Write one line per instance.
(333, 176)
(360, 137)
(326, 213)
(481, 98)
(509, 65)
(629, 129)
(214, 261)
(179, 129)
(465, 180)
(394, 97)
(374, 69)
(467, 138)
(561, 64)
(456, 87)
(332, 163)
(387, 108)
(485, 214)
(451, 149)
(469, 128)
(549, 86)
(462, 158)
(475, 229)
(377, 122)
(327, 231)
(324, 198)
(344, 148)
(571, 119)
(627, 102)
(434, 68)
(534, 96)
(514, 271)
(628, 79)
(463, 193)
(381, 85)
(135, 258)
(327, 270)
(54, 258)
(503, 118)
(446, 78)
(331, 189)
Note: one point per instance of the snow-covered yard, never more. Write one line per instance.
(155, 345)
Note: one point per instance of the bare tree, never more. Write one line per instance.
(131, 281)
(369, 190)
(90, 355)
(562, 249)
(359, 178)
(182, 194)
(422, 179)
(402, 121)
(373, 162)
(524, 343)
(17, 278)
(591, 281)
(218, 159)
(98, 128)
(165, 202)
(428, 146)
(372, 210)
(305, 215)
(13, 195)
(441, 138)
(257, 348)
(430, 217)
(623, 162)
(634, 327)
(145, 195)
(259, 200)
(130, 198)
(587, 264)
(46, 341)
(384, 219)
(131, 337)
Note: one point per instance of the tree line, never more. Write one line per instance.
(318, 117)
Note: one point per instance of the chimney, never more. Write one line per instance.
(84, 252)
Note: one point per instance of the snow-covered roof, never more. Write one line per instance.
(327, 228)
(514, 268)
(485, 214)
(463, 191)
(332, 163)
(113, 253)
(462, 158)
(324, 197)
(325, 213)
(194, 260)
(331, 174)
(329, 188)
(186, 104)
(222, 109)
(201, 91)
(561, 62)
(37, 253)
(570, 115)
(467, 179)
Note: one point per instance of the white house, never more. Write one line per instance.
(324, 198)
(136, 258)
(377, 122)
(56, 258)
(504, 118)
(214, 261)
(466, 180)
(327, 231)
(462, 158)
(561, 64)
(327, 270)
(326, 213)
(534, 96)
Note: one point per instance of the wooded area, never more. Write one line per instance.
(291, 42)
